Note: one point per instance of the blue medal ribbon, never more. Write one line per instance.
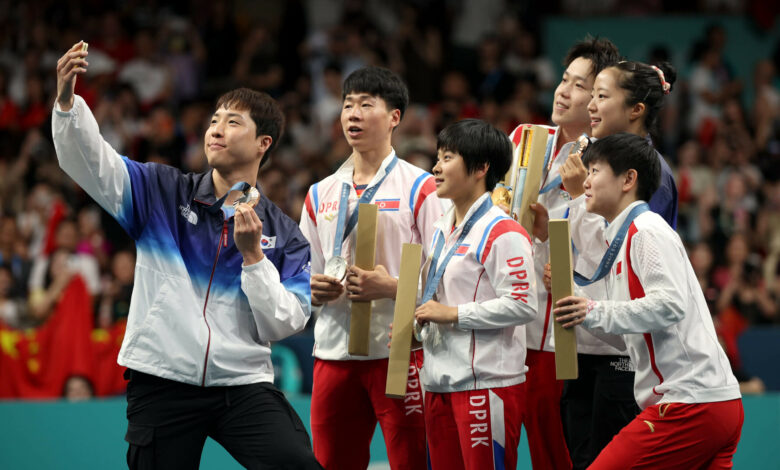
(614, 248)
(557, 180)
(435, 272)
(343, 230)
(242, 186)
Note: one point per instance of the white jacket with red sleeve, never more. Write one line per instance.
(408, 209)
(656, 303)
(491, 280)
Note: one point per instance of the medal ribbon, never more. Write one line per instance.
(435, 272)
(614, 248)
(342, 231)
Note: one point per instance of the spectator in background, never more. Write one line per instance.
(13, 255)
(710, 86)
(160, 140)
(113, 304)
(57, 279)
(78, 388)
(118, 116)
(149, 76)
(457, 103)
(185, 54)
(693, 179)
(766, 104)
(524, 59)
(9, 110)
(91, 239)
(327, 108)
(13, 307)
(420, 44)
(768, 226)
(258, 62)
(112, 38)
(66, 240)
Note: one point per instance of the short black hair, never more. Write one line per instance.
(643, 84)
(379, 82)
(600, 51)
(478, 143)
(264, 111)
(625, 151)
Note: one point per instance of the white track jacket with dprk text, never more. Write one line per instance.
(491, 280)
(408, 209)
(658, 306)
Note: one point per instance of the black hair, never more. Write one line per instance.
(600, 51)
(643, 85)
(263, 110)
(379, 82)
(625, 151)
(478, 143)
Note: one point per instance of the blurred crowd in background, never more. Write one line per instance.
(66, 268)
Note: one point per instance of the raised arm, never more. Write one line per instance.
(81, 150)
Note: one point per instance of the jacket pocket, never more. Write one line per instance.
(140, 454)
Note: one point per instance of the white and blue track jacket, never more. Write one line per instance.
(196, 315)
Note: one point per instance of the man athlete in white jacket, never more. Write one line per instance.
(348, 395)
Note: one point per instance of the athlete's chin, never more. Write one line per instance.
(442, 192)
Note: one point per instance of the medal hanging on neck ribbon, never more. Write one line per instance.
(336, 266)
(436, 270)
(614, 248)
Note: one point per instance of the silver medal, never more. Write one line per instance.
(336, 267)
(250, 196)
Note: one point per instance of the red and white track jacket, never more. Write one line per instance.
(539, 333)
(408, 209)
(656, 303)
(490, 278)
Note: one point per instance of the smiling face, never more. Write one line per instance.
(603, 190)
(366, 121)
(608, 111)
(453, 181)
(570, 105)
(230, 139)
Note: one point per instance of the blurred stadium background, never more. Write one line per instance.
(157, 67)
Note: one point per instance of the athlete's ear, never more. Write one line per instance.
(263, 143)
(637, 112)
(395, 118)
(481, 172)
(630, 180)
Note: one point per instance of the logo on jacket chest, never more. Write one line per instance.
(618, 270)
(329, 210)
(188, 214)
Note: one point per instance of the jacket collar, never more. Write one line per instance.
(447, 220)
(614, 226)
(346, 170)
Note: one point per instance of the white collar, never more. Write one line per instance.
(347, 169)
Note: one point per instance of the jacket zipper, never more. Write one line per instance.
(222, 242)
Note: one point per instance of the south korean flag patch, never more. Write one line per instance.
(266, 243)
